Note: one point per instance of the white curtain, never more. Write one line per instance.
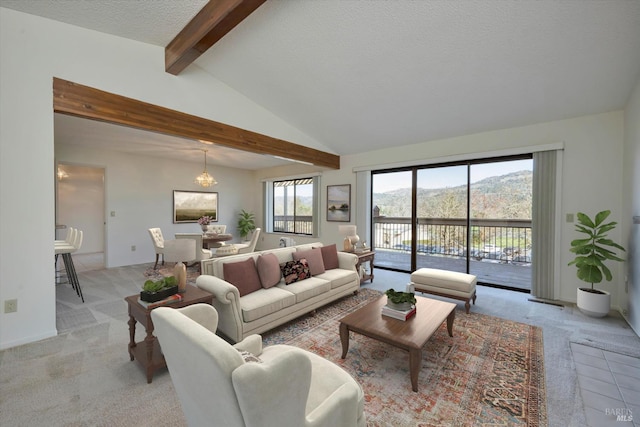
(545, 168)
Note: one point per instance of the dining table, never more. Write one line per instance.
(211, 240)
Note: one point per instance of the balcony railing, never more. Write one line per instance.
(499, 250)
(298, 225)
(505, 240)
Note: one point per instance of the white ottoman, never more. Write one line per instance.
(445, 283)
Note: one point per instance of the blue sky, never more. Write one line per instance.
(448, 176)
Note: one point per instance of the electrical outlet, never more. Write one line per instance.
(10, 306)
(133, 248)
(569, 217)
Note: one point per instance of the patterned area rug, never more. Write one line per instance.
(490, 373)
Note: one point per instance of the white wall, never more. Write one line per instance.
(80, 204)
(33, 51)
(631, 208)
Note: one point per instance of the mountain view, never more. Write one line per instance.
(499, 197)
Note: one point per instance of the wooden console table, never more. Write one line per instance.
(362, 258)
(148, 352)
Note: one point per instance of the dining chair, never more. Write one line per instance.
(245, 248)
(200, 252)
(158, 244)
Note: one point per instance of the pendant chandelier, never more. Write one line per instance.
(204, 179)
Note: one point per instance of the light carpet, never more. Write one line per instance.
(489, 374)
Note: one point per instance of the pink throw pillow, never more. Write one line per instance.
(314, 259)
(330, 256)
(268, 270)
(243, 275)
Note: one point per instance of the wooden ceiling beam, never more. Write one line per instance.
(83, 101)
(216, 19)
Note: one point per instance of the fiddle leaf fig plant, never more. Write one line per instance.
(595, 248)
(246, 223)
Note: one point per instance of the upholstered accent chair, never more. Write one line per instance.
(248, 385)
(197, 237)
(158, 244)
(245, 248)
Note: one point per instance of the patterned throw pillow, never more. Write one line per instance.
(314, 259)
(249, 357)
(292, 271)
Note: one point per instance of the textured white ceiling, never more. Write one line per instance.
(361, 75)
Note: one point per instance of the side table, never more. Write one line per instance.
(362, 258)
(148, 352)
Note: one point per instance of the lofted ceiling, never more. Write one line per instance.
(363, 75)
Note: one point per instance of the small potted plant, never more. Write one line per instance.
(591, 252)
(400, 300)
(246, 223)
(157, 290)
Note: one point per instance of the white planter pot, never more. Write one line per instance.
(594, 305)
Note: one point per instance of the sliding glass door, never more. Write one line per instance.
(441, 218)
(470, 217)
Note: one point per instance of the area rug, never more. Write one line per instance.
(490, 373)
(166, 270)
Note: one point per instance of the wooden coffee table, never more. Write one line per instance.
(410, 335)
(148, 353)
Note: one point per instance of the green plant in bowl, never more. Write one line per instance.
(400, 298)
(158, 285)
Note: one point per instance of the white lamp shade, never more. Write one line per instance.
(347, 230)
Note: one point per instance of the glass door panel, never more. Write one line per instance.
(392, 225)
(500, 195)
(441, 218)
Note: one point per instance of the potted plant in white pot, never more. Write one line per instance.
(246, 223)
(591, 252)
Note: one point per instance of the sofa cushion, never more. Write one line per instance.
(308, 288)
(243, 275)
(292, 271)
(330, 256)
(264, 302)
(268, 270)
(314, 259)
(339, 277)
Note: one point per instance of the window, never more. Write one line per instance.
(293, 206)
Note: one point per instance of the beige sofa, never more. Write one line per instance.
(261, 309)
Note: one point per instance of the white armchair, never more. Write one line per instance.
(197, 237)
(289, 387)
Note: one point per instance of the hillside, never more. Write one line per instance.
(505, 197)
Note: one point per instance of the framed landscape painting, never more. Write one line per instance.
(189, 206)
(339, 203)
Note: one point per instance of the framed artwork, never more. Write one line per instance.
(189, 206)
(339, 203)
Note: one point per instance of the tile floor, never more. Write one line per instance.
(609, 381)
